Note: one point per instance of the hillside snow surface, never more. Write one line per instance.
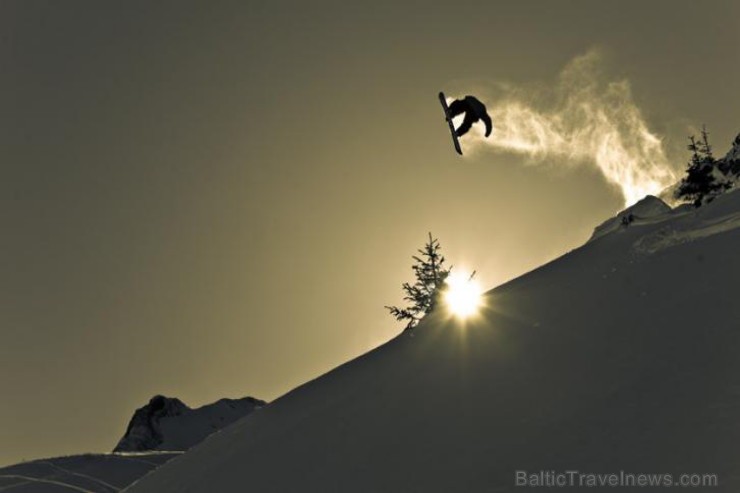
(620, 357)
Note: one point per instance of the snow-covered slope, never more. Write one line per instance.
(93, 473)
(166, 423)
(615, 357)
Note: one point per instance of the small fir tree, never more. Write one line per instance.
(430, 273)
(701, 179)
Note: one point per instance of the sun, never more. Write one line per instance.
(463, 295)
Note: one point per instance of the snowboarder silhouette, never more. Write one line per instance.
(474, 110)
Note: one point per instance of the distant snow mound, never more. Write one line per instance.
(166, 423)
(646, 209)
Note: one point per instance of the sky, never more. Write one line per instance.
(217, 199)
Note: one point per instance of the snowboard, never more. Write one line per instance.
(455, 140)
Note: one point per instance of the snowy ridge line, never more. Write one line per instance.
(144, 453)
(669, 236)
(137, 456)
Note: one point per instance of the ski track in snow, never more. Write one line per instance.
(56, 475)
(14, 485)
(73, 473)
(30, 479)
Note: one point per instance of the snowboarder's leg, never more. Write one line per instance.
(457, 107)
(489, 124)
(466, 124)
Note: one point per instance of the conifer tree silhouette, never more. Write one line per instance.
(423, 295)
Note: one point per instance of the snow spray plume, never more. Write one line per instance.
(587, 120)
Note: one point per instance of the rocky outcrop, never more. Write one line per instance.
(166, 423)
